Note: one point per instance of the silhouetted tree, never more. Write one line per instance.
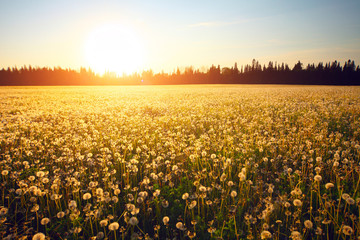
(332, 73)
(297, 67)
(236, 70)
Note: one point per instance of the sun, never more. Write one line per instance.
(114, 48)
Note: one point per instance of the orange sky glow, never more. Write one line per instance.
(126, 37)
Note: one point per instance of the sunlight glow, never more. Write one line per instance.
(114, 48)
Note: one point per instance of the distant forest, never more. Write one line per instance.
(254, 73)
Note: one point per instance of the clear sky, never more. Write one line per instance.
(144, 34)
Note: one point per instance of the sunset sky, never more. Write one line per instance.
(127, 36)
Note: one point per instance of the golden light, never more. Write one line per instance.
(114, 48)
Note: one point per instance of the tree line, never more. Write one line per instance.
(273, 73)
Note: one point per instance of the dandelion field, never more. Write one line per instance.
(180, 162)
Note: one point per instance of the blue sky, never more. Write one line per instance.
(183, 33)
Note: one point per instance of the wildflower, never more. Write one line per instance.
(223, 177)
(45, 180)
(130, 197)
(242, 177)
(93, 184)
(3, 211)
(99, 191)
(114, 226)
(165, 203)
(86, 196)
(192, 204)
(143, 194)
(72, 204)
(115, 199)
(202, 189)
(140, 200)
(191, 235)
(265, 226)
(265, 234)
(345, 196)
(4, 172)
(156, 193)
(117, 191)
(233, 194)
(329, 185)
(60, 214)
(350, 201)
(318, 231)
(326, 221)
(35, 208)
(135, 211)
(104, 223)
(297, 203)
(271, 189)
(347, 230)
(180, 226)
(100, 235)
(133, 221)
(185, 196)
(317, 178)
(45, 221)
(295, 235)
(39, 236)
(166, 220)
(40, 174)
(308, 224)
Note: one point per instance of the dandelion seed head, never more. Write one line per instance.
(265, 234)
(295, 235)
(308, 224)
(60, 214)
(166, 220)
(39, 236)
(133, 221)
(317, 178)
(329, 185)
(347, 230)
(297, 203)
(180, 226)
(185, 196)
(113, 226)
(45, 221)
(233, 193)
(104, 223)
(86, 196)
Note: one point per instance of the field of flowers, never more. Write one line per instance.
(180, 162)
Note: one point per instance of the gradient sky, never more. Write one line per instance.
(183, 33)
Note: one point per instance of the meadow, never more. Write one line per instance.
(180, 162)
